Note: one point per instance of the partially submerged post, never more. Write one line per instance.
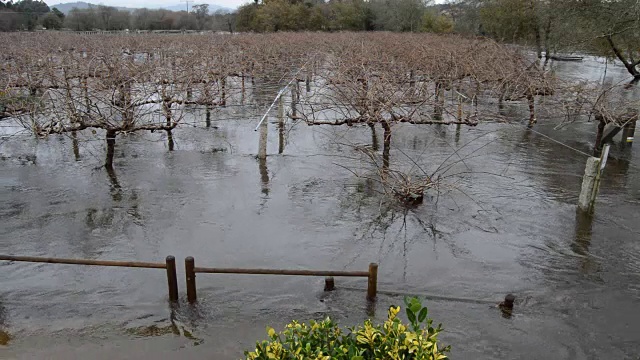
(281, 123)
(329, 284)
(507, 304)
(223, 90)
(294, 100)
(262, 141)
(172, 279)
(189, 269)
(439, 100)
(242, 77)
(372, 286)
(591, 180)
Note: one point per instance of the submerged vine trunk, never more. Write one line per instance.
(281, 125)
(166, 107)
(111, 145)
(170, 140)
(374, 137)
(386, 145)
(76, 147)
(223, 89)
(532, 109)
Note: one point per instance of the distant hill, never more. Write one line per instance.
(67, 7)
(183, 7)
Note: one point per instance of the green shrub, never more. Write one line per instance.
(324, 340)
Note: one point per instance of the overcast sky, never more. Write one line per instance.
(157, 3)
(151, 3)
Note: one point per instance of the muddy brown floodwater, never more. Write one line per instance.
(577, 279)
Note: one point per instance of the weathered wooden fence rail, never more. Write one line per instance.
(169, 265)
(191, 270)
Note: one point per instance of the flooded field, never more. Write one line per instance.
(507, 223)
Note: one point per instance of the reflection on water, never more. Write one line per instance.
(584, 224)
(506, 224)
(264, 176)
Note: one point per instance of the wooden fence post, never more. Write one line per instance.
(372, 286)
(281, 128)
(189, 266)
(172, 279)
(591, 180)
(329, 283)
(262, 140)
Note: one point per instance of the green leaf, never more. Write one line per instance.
(423, 314)
(415, 306)
(357, 358)
(411, 315)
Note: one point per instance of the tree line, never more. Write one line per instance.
(336, 15)
(603, 27)
(28, 15)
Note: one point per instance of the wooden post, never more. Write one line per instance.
(281, 123)
(329, 284)
(281, 108)
(242, 77)
(439, 99)
(189, 266)
(262, 141)
(172, 279)
(603, 162)
(223, 88)
(207, 107)
(588, 183)
(591, 180)
(372, 286)
(294, 100)
(75, 145)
